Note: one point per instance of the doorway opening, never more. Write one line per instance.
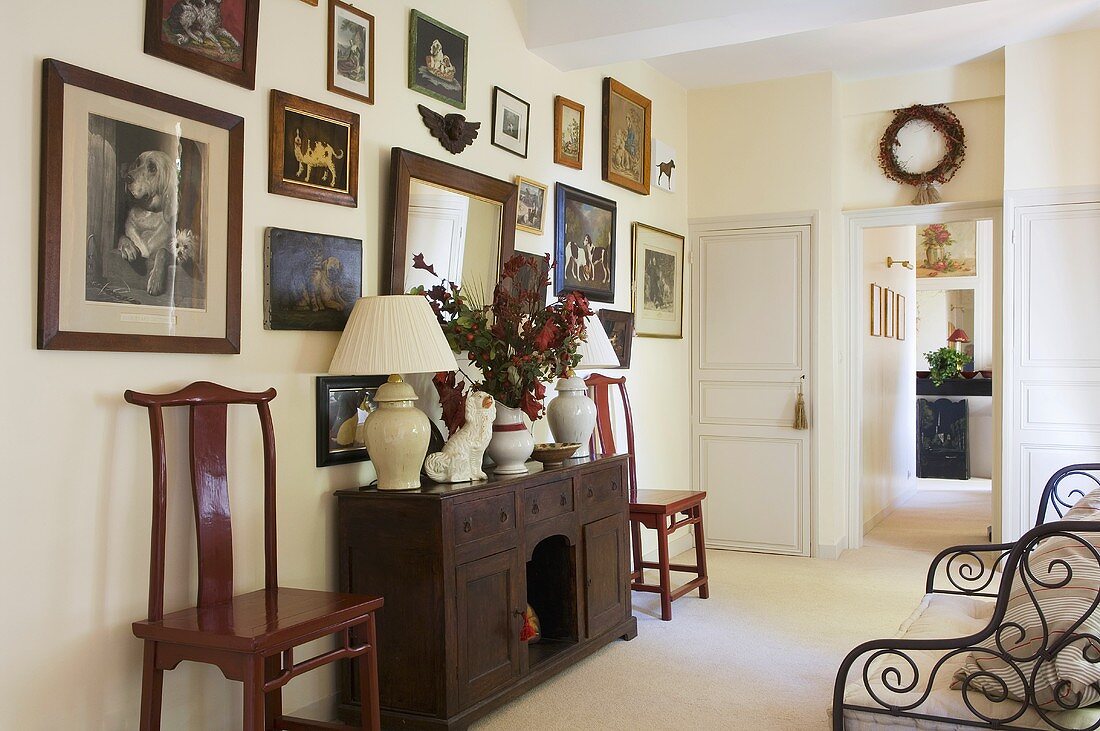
(925, 281)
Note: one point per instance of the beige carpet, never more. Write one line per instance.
(763, 651)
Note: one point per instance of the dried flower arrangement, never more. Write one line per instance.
(948, 126)
(518, 342)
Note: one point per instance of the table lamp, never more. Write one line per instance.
(572, 414)
(958, 337)
(394, 334)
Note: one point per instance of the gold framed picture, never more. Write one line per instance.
(568, 133)
(627, 139)
(658, 286)
(888, 306)
(899, 326)
(531, 205)
(314, 151)
(876, 310)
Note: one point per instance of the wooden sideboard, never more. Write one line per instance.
(458, 564)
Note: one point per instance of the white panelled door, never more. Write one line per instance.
(1055, 353)
(751, 341)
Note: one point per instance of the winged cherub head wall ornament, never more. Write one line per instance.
(452, 130)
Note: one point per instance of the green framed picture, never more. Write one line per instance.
(437, 60)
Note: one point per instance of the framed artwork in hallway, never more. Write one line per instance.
(899, 313)
(888, 313)
(876, 310)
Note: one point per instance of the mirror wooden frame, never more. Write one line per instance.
(404, 167)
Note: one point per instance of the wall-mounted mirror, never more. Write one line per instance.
(461, 221)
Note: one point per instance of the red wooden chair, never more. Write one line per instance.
(249, 637)
(666, 511)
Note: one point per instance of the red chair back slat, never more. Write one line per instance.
(207, 403)
(599, 389)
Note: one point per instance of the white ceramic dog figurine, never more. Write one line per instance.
(460, 460)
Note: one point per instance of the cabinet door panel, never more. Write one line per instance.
(607, 595)
(487, 595)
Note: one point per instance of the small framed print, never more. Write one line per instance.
(437, 60)
(511, 116)
(530, 206)
(350, 52)
(658, 282)
(343, 404)
(888, 304)
(314, 151)
(627, 143)
(619, 327)
(140, 230)
(899, 326)
(876, 310)
(311, 281)
(568, 133)
(215, 38)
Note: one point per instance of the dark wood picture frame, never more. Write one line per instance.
(415, 17)
(623, 321)
(369, 51)
(157, 45)
(613, 87)
(562, 194)
(560, 104)
(326, 385)
(56, 77)
(406, 165)
(526, 124)
(278, 183)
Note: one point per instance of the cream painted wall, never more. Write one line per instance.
(75, 528)
(1052, 110)
(889, 388)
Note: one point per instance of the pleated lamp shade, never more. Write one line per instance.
(596, 351)
(392, 334)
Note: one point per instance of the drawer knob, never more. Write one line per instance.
(467, 526)
(535, 509)
(590, 492)
(503, 517)
(614, 486)
(562, 503)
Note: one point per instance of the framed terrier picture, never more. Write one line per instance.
(311, 281)
(343, 404)
(584, 244)
(510, 120)
(530, 206)
(437, 60)
(216, 37)
(350, 52)
(140, 238)
(658, 282)
(619, 327)
(314, 151)
(626, 137)
(568, 133)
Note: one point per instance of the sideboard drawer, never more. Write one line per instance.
(547, 501)
(602, 493)
(485, 518)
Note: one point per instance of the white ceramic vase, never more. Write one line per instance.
(512, 443)
(572, 414)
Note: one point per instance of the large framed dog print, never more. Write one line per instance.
(584, 244)
(140, 239)
(311, 280)
(216, 37)
(314, 151)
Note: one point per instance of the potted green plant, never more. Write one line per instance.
(945, 364)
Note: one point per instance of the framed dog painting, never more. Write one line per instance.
(658, 282)
(140, 239)
(626, 137)
(619, 327)
(314, 151)
(584, 244)
(437, 60)
(350, 51)
(311, 281)
(531, 205)
(216, 37)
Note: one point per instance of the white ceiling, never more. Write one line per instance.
(703, 43)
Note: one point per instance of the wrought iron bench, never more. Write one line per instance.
(905, 683)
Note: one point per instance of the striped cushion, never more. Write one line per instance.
(1067, 606)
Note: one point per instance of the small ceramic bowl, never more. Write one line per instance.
(554, 454)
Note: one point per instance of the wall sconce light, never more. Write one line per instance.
(891, 261)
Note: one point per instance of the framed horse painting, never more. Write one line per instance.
(584, 244)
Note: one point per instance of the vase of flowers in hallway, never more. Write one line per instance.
(512, 444)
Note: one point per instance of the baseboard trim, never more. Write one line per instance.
(677, 545)
(831, 551)
(874, 520)
(323, 709)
